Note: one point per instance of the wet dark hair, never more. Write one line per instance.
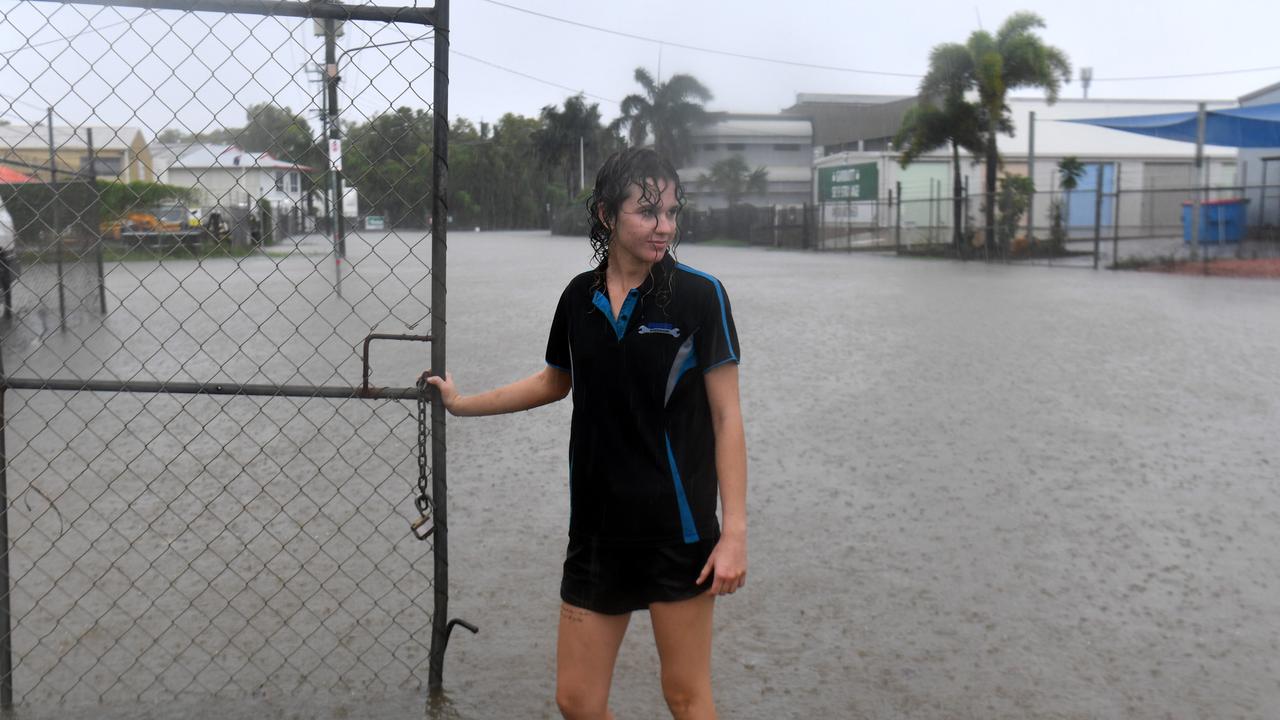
(639, 167)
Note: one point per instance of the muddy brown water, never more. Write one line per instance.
(976, 491)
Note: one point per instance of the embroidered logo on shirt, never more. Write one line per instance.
(664, 328)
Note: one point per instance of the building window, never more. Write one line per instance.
(789, 147)
(711, 146)
(280, 180)
(293, 182)
(735, 146)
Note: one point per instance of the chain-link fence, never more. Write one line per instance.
(1076, 228)
(216, 206)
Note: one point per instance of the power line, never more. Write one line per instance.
(12, 101)
(455, 51)
(835, 68)
(1189, 75)
(695, 48)
(68, 38)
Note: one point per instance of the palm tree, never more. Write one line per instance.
(564, 133)
(943, 117)
(1015, 57)
(669, 111)
(1070, 170)
(734, 178)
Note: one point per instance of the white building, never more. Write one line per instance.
(782, 145)
(228, 177)
(1163, 169)
(1260, 167)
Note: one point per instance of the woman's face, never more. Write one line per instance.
(646, 227)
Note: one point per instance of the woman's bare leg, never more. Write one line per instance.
(586, 650)
(682, 631)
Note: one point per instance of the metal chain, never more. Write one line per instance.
(422, 527)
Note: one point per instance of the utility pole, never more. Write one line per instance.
(323, 116)
(335, 137)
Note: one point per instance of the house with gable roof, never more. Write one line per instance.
(226, 176)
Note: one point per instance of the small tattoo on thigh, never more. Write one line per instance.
(572, 614)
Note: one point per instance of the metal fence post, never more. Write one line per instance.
(95, 229)
(57, 231)
(897, 220)
(848, 223)
(1097, 213)
(1115, 231)
(6, 628)
(439, 217)
(931, 213)
(889, 205)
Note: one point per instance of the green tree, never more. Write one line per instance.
(733, 177)
(669, 111)
(281, 132)
(943, 117)
(564, 132)
(389, 160)
(1070, 170)
(1015, 196)
(1014, 57)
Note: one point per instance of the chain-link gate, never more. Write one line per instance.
(196, 494)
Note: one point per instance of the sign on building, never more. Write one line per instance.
(848, 182)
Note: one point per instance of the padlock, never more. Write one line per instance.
(418, 525)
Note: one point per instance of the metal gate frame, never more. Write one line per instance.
(438, 18)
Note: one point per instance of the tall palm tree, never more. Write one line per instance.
(992, 65)
(1015, 57)
(669, 111)
(944, 117)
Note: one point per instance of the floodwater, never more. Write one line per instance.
(976, 491)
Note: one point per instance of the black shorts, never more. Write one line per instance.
(617, 580)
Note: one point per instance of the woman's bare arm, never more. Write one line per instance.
(728, 560)
(540, 388)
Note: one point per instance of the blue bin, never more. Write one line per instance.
(1221, 221)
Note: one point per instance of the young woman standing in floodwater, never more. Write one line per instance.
(649, 350)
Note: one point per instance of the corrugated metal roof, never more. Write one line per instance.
(229, 156)
(837, 121)
(755, 129)
(36, 137)
(1260, 92)
(847, 99)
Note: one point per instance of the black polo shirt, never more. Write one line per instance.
(642, 461)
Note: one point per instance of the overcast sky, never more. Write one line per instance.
(157, 69)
